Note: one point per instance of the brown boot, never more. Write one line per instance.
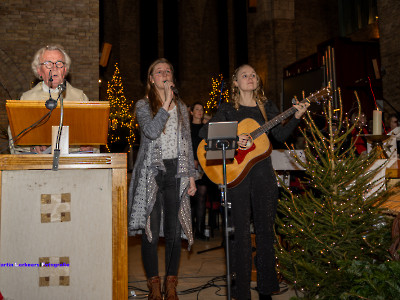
(170, 284)
(154, 285)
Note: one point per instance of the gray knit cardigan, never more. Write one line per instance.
(143, 187)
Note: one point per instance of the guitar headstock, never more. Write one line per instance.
(320, 95)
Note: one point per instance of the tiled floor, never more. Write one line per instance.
(199, 274)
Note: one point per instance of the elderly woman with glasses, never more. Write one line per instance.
(51, 65)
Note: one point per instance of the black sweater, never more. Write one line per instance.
(226, 112)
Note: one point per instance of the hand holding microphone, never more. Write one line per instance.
(175, 90)
(172, 87)
(169, 89)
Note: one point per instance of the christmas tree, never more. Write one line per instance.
(337, 218)
(219, 93)
(122, 122)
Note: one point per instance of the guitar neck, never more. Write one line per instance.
(279, 118)
(272, 123)
(275, 121)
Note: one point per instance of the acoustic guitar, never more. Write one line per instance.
(258, 147)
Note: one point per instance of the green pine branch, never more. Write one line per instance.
(336, 218)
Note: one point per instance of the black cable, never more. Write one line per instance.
(39, 123)
(177, 223)
(43, 120)
(212, 283)
(283, 288)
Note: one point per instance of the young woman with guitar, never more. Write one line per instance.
(256, 193)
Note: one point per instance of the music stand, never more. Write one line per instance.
(221, 144)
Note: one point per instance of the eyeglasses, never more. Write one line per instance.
(165, 72)
(49, 64)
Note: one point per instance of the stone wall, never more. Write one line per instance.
(199, 59)
(279, 33)
(121, 28)
(198, 46)
(282, 32)
(389, 40)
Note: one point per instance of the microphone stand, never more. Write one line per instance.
(56, 151)
(224, 144)
(228, 230)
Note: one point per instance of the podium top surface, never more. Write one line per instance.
(87, 121)
(71, 161)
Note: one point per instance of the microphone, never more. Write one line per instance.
(174, 89)
(62, 87)
(50, 103)
(50, 83)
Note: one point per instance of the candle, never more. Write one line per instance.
(377, 122)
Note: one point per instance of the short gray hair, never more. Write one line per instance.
(36, 58)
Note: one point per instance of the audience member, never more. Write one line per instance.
(359, 132)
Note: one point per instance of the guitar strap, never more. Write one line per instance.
(262, 109)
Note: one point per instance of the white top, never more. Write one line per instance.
(46, 89)
(169, 136)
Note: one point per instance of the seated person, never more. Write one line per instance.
(51, 65)
(392, 122)
(359, 132)
(392, 128)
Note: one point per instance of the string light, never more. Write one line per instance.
(332, 220)
(219, 94)
(122, 122)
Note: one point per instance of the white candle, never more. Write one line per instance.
(377, 122)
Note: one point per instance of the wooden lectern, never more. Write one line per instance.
(87, 121)
(63, 234)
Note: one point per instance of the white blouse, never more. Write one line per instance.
(169, 136)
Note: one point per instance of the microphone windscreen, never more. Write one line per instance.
(62, 87)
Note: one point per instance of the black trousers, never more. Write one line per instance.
(198, 205)
(256, 194)
(168, 202)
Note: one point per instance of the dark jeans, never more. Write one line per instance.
(206, 190)
(168, 202)
(198, 205)
(257, 194)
